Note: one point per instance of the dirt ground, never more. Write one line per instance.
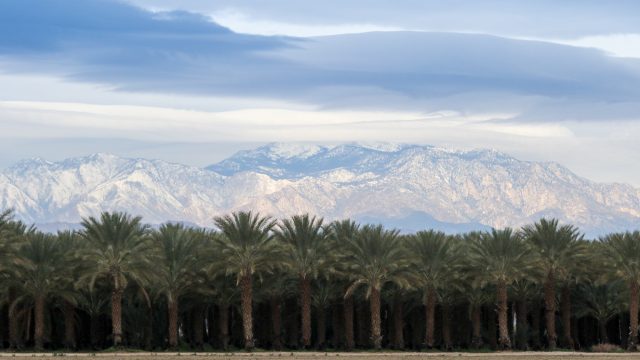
(321, 355)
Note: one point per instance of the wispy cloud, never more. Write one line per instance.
(56, 130)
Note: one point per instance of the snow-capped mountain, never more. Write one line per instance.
(406, 186)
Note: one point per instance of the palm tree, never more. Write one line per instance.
(522, 291)
(434, 257)
(68, 242)
(477, 296)
(275, 288)
(343, 232)
(559, 250)
(118, 249)
(40, 273)
(246, 248)
(476, 293)
(6, 244)
(448, 297)
(305, 247)
(374, 258)
(13, 234)
(323, 297)
(622, 252)
(223, 288)
(499, 258)
(602, 302)
(397, 316)
(91, 301)
(181, 256)
(6, 217)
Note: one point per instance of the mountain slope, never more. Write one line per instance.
(405, 186)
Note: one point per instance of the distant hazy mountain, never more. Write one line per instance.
(406, 186)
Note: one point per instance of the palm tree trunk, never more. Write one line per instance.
(69, 325)
(535, 325)
(93, 330)
(550, 310)
(305, 301)
(198, 326)
(633, 316)
(604, 337)
(223, 323)
(3, 321)
(430, 312)
(247, 309)
(416, 331)
(566, 317)
(27, 332)
(116, 316)
(476, 324)
(349, 338)
(38, 335)
(212, 321)
(446, 327)
(503, 324)
(575, 333)
(492, 329)
(321, 328)
(15, 342)
(293, 323)
(276, 323)
(363, 333)
(337, 326)
(522, 331)
(376, 335)
(148, 333)
(173, 323)
(398, 331)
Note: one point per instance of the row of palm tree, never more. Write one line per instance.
(258, 279)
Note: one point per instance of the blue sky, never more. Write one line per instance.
(193, 81)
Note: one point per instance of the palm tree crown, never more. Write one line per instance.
(119, 250)
(434, 257)
(247, 244)
(622, 252)
(500, 258)
(246, 248)
(41, 271)
(559, 252)
(305, 245)
(375, 257)
(181, 257)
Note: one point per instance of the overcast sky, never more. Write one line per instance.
(193, 81)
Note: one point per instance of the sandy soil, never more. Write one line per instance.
(320, 355)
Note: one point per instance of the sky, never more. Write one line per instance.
(193, 81)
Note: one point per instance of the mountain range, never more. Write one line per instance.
(410, 187)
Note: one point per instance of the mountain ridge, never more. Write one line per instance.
(401, 185)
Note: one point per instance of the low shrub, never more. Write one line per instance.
(606, 348)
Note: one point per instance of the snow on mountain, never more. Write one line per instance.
(406, 186)
(273, 161)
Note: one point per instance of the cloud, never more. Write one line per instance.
(122, 45)
(126, 48)
(623, 45)
(241, 23)
(55, 130)
(30, 119)
(55, 25)
(183, 85)
(541, 18)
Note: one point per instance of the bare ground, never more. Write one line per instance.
(349, 356)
